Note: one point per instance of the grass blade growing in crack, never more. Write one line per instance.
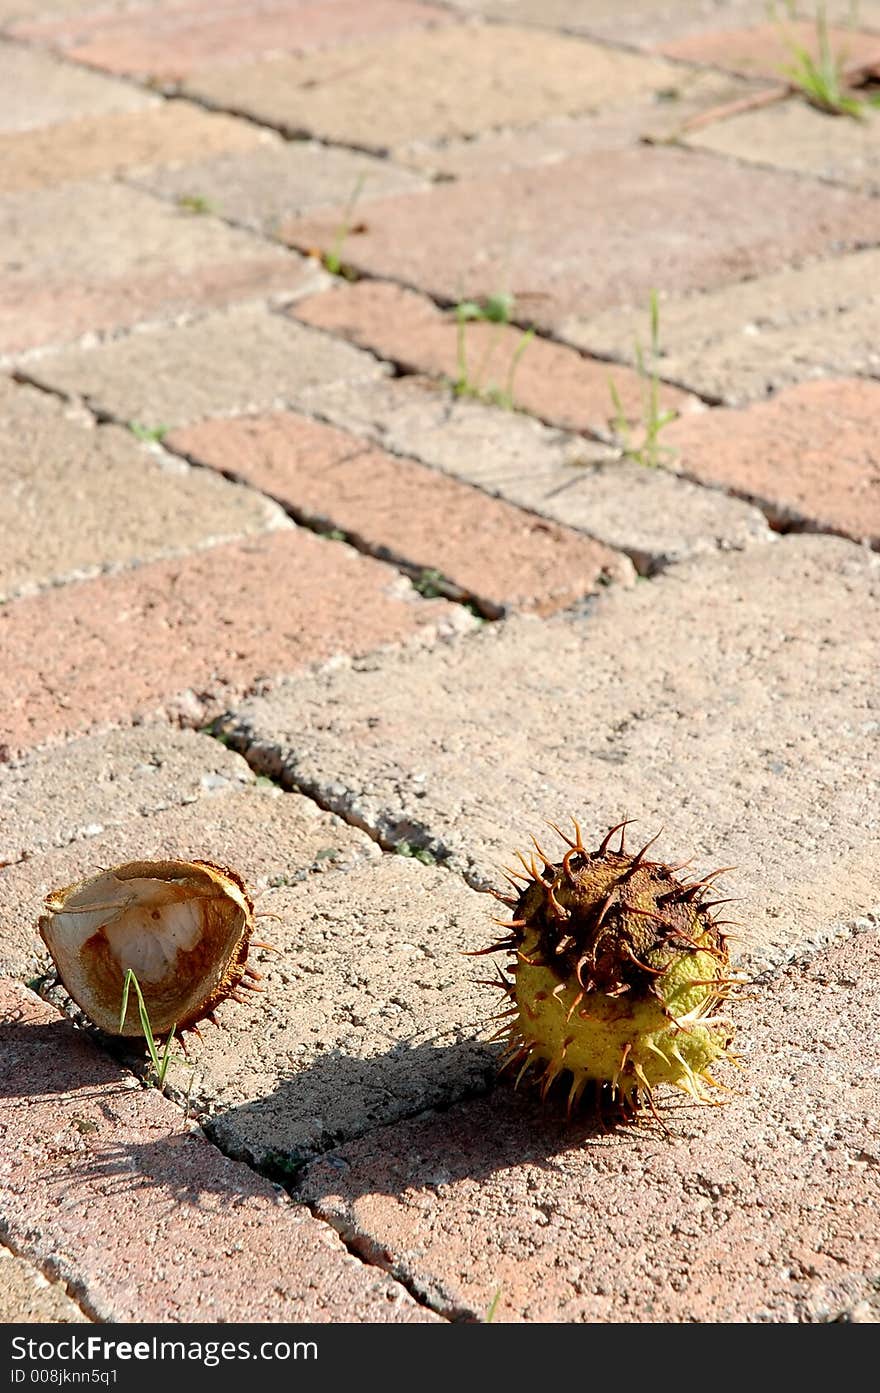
(160, 1065)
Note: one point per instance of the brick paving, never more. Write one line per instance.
(233, 242)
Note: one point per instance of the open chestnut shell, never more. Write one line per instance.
(183, 927)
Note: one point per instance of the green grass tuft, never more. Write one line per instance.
(158, 1063)
(643, 445)
(497, 309)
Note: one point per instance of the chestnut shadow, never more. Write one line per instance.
(38, 1059)
(412, 1118)
(416, 1116)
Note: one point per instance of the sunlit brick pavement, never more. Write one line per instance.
(359, 516)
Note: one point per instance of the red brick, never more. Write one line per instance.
(170, 42)
(599, 231)
(767, 50)
(109, 144)
(763, 1210)
(493, 553)
(124, 257)
(104, 1185)
(551, 381)
(186, 636)
(810, 456)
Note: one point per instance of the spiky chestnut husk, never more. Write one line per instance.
(183, 927)
(618, 976)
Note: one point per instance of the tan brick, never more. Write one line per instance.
(742, 342)
(282, 179)
(371, 1012)
(768, 50)
(440, 529)
(169, 42)
(105, 1186)
(655, 117)
(731, 700)
(187, 636)
(637, 22)
(98, 784)
(111, 144)
(245, 359)
(810, 456)
(711, 223)
(125, 257)
(38, 90)
(762, 1210)
(269, 837)
(551, 381)
(70, 489)
(654, 517)
(434, 84)
(793, 135)
(26, 1295)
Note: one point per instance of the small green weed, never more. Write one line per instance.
(493, 1307)
(195, 203)
(430, 584)
(644, 446)
(332, 259)
(159, 1063)
(498, 310)
(416, 853)
(152, 435)
(822, 81)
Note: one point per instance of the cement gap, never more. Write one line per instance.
(428, 581)
(50, 1269)
(396, 836)
(780, 519)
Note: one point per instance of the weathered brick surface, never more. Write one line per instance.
(105, 1186)
(637, 22)
(650, 514)
(186, 636)
(172, 41)
(268, 836)
(811, 456)
(655, 116)
(26, 1295)
(371, 1012)
(451, 81)
(730, 701)
(264, 187)
(127, 257)
(551, 381)
(763, 1210)
(741, 342)
(767, 50)
(38, 90)
(703, 222)
(793, 135)
(109, 144)
(494, 554)
(96, 785)
(246, 359)
(12, 11)
(80, 499)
